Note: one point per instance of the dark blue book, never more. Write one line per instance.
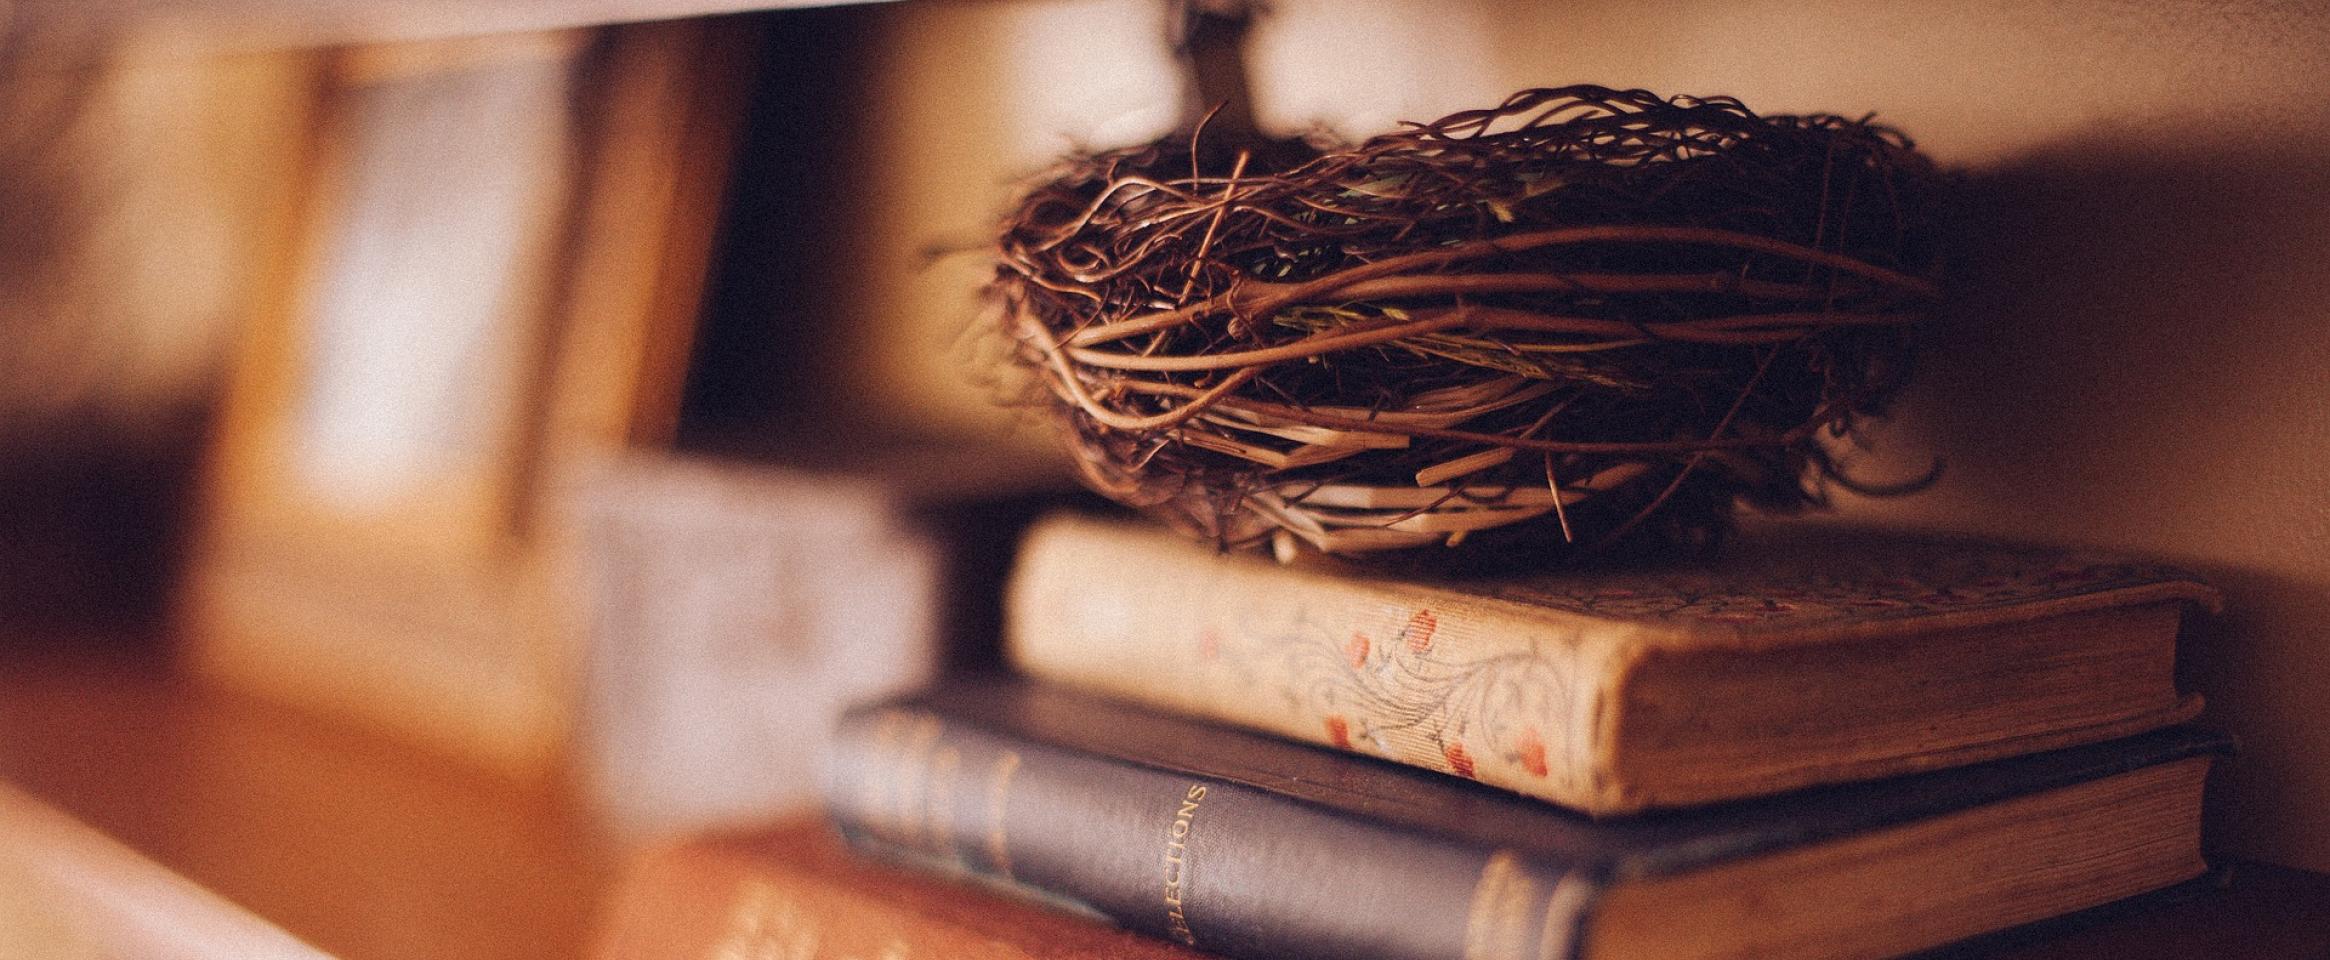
(1258, 848)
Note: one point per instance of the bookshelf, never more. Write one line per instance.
(372, 849)
(363, 846)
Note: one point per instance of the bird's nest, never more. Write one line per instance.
(1581, 318)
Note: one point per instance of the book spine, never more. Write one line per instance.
(1432, 679)
(1204, 861)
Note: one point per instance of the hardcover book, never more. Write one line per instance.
(1802, 656)
(792, 891)
(1254, 847)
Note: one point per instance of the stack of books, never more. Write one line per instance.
(1824, 745)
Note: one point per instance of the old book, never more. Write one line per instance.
(1802, 656)
(1255, 847)
(793, 891)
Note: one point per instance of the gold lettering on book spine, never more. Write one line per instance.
(998, 799)
(1499, 924)
(938, 807)
(766, 925)
(876, 783)
(914, 781)
(1177, 861)
(899, 772)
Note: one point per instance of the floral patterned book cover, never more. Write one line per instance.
(1614, 690)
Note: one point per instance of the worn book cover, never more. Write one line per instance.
(1256, 847)
(792, 891)
(1800, 656)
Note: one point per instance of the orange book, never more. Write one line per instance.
(793, 891)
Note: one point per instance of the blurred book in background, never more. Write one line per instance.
(736, 609)
(790, 890)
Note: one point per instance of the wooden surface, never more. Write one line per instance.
(267, 24)
(67, 891)
(370, 850)
(367, 849)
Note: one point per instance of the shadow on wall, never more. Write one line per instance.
(2138, 357)
(92, 532)
(2133, 324)
(111, 264)
(2266, 675)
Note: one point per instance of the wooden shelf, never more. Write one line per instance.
(231, 25)
(371, 850)
(366, 849)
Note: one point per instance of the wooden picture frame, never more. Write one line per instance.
(487, 281)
